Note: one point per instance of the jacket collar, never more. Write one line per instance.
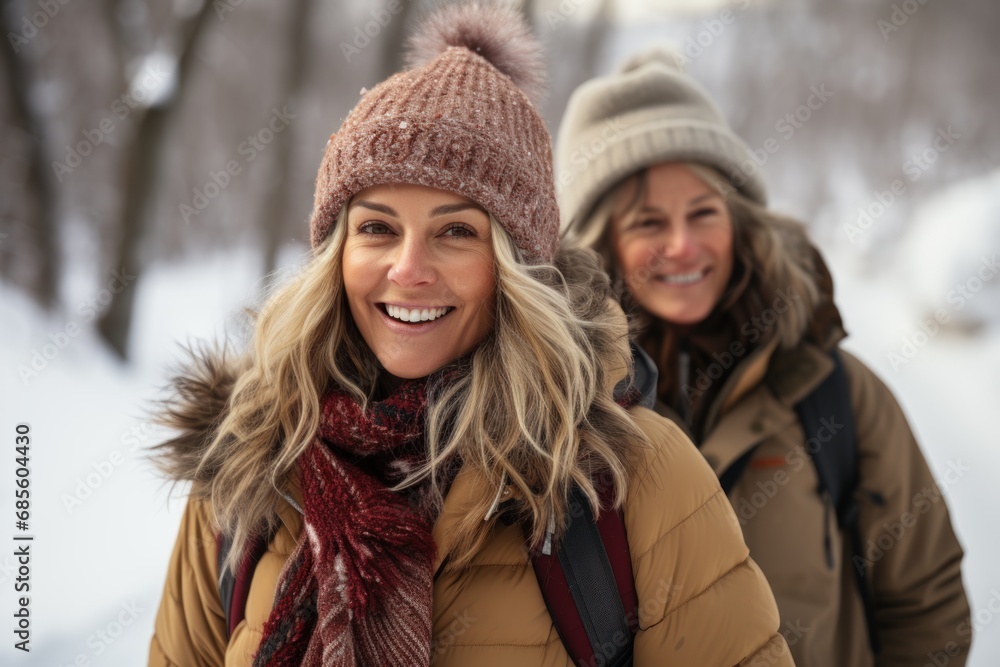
(758, 399)
(746, 376)
(469, 486)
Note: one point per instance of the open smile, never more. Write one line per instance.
(411, 318)
(686, 279)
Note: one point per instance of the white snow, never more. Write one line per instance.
(154, 78)
(104, 522)
(952, 243)
(89, 429)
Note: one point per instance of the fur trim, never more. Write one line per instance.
(198, 401)
(495, 31)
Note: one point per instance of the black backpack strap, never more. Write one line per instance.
(584, 587)
(827, 418)
(735, 470)
(227, 580)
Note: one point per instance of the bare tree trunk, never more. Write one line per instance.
(36, 260)
(275, 219)
(394, 37)
(140, 176)
(595, 38)
(582, 46)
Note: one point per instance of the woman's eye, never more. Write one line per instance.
(460, 230)
(374, 228)
(704, 212)
(647, 222)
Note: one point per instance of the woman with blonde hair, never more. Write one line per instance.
(377, 476)
(735, 306)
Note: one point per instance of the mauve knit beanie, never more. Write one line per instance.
(648, 112)
(459, 119)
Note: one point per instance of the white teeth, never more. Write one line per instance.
(682, 278)
(415, 314)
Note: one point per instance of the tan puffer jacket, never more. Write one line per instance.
(908, 545)
(703, 601)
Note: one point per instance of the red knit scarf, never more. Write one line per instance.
(357, 590)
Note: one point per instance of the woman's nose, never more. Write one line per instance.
(412, 265)
(676, 242)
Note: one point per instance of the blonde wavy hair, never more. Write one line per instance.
(532, 405)
(772, 248)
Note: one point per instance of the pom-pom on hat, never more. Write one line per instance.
(462, 119)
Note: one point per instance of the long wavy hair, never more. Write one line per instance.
(532, 405)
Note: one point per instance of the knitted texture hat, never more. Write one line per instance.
(648, 112)
(460, 119)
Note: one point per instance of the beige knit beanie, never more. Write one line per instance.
(459, 119)
(648, 112)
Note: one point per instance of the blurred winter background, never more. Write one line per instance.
(156, 170)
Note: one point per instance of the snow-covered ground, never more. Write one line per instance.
(104, 523)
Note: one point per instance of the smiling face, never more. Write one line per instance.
(675, 246)
(418, 275)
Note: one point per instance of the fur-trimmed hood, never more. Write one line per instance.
(197, 403)
(826, 326)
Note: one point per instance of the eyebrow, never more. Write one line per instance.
(381, 208)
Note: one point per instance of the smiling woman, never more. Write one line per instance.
(679, 228)
(736, 306)
(419, 277)
(423, 405)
